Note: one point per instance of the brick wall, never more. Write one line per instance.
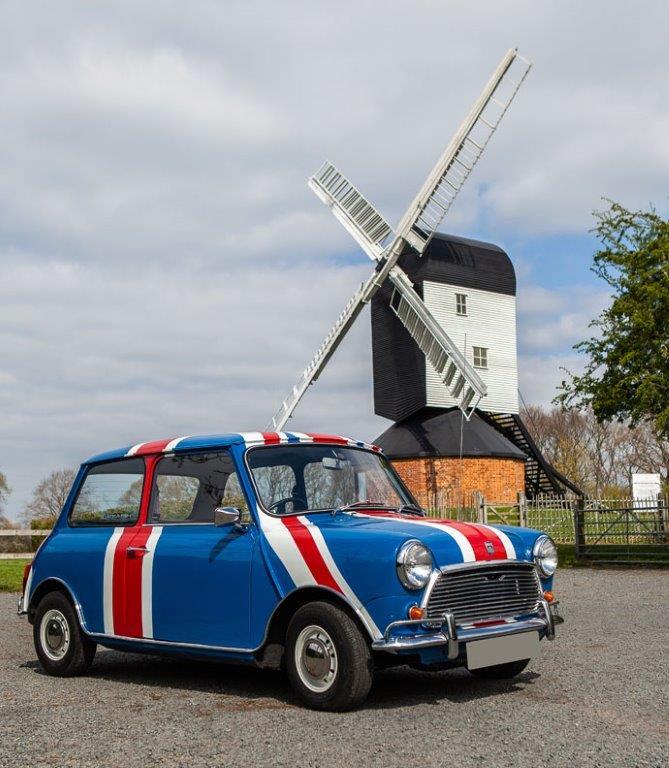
(450, 482)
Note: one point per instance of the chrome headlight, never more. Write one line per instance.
(545, 556)
(414, 564)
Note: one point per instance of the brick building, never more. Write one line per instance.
(425, 448)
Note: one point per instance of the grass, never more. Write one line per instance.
(11, 575)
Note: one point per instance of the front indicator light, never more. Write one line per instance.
(416, 612)
(549, 596)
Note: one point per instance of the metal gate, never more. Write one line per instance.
(624, 531)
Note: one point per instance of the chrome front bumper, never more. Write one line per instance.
(451, 635)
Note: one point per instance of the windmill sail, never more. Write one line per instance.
(467, 386)
(446, 179)
(357, 215)
(372, 232)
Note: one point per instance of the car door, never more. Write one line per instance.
(200, 573)
(92, 549)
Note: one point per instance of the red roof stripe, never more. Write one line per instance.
(157, 446)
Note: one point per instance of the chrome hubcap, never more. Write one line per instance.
(316, 658)
(55, 634)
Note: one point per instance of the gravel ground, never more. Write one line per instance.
(598, 696)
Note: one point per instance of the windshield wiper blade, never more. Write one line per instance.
(363, 505)
(412, 509)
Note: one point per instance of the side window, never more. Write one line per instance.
(187, 489)
(110, 494)
(460, 303)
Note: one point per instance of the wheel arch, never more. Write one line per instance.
(53, 584)
(270, 653)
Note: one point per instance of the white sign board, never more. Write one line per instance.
(646, 485)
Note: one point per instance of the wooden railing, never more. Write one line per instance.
(18, 533)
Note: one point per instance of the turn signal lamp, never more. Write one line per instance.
(26, 573)
(548, 596)
(416, 612)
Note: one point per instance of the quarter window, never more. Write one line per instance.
(460, 304)
(187, 489)
(110, 494)
(480, 357)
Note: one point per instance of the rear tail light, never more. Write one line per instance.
(26, 573)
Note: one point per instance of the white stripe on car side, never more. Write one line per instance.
(285, 548)
(108, 581)
(147, 582)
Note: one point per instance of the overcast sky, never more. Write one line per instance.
(164, 269)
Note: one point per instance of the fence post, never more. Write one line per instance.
(522, 509)
(479, 500)
(579, 525)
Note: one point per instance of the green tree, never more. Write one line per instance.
(626, 377)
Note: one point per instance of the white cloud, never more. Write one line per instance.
(163, 267)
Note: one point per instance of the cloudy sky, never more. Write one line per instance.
(164, 269)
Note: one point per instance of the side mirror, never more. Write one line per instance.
(227, 516)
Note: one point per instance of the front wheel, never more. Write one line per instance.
(501, 671)
(62, 648)
(328, 660)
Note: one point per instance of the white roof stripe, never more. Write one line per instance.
(173, 443)
(134, 449)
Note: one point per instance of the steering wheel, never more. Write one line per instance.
(282, 503)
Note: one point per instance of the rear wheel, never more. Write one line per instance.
(328, 660)
(501, 671)
(62, 648)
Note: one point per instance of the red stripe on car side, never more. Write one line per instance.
(309, 551)
(133, 586)
(118, 580)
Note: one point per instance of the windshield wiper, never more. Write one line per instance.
(412, 509)
(362, 505)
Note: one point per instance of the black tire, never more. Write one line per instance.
(61, 646)
(501, 671)
(351, 669)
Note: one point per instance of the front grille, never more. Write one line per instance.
(485, 592)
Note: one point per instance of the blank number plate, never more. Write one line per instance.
(502, 650)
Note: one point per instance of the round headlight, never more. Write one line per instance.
(545, 556)
(414, 564)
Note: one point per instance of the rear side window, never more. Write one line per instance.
(187, 489)
(110, 494)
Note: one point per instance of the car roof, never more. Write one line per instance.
(225, 440)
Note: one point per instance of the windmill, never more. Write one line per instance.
(390, 249)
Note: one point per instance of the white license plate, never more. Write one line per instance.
(502, 650)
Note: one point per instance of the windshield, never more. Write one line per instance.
(308, 477)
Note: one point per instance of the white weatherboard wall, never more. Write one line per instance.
(491, 323)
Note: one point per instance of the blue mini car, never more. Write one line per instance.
(283, 550)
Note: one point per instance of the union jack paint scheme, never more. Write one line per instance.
(306, 570)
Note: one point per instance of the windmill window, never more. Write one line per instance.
(460, 304)
(480, 357)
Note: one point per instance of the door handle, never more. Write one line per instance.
(137, 551)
